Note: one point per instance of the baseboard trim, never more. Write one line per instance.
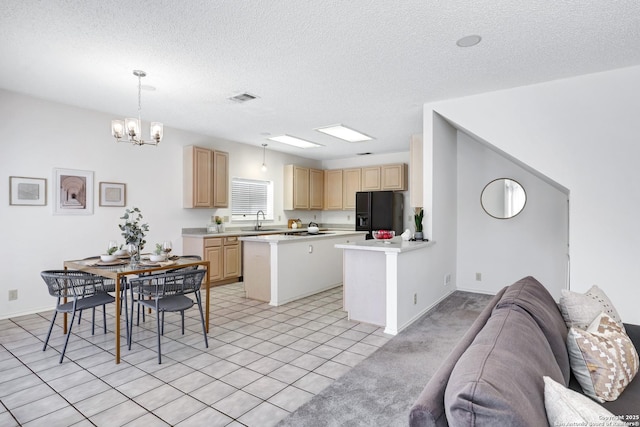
(419, 315)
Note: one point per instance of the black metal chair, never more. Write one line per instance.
(168, 292)
(85, 291)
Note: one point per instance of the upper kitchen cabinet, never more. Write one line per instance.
(350, 186)
(393, 177)
(198, 177)
(371, 178)
(316, 189)
(296, 187)
(205, 178)
(220, 179)
(333, 189)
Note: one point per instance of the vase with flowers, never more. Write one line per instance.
(134, 232)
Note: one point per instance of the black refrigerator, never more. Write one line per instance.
(379, 210)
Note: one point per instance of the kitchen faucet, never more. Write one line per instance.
(258, 223)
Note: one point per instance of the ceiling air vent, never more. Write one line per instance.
(243, 97)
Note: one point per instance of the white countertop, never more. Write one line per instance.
(393, 245)
(231, 231)
(281, 238)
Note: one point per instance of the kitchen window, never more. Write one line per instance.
(248, 196)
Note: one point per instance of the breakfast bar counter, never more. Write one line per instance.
(380, 277)
(281, 268)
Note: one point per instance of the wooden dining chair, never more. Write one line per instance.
(168, 292)
(85, 291)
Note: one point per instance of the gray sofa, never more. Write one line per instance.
(494, 375)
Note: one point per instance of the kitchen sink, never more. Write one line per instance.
(306, 233)
(261, 229)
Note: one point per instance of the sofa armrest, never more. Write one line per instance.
(428, 409)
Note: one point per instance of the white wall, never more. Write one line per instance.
(505, 250)
(582, 133)
(39, 135)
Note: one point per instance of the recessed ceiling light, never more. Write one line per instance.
(296, 142)
(344, 133)
(469, 41)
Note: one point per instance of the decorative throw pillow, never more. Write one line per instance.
(579, 310)
(603, 358)
(567, 408)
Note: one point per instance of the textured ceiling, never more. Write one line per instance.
(368, 64)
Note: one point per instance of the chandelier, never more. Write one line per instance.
(132, 126)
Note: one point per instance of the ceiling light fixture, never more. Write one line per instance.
(296, 142)
(344, 133)
(263, 168)
(469, 41)
(132, 126)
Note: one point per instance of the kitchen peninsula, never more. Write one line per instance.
(280, 268)
(382, 281)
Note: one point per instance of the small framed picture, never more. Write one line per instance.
(25, 191)
(73, 192)
(113, 194)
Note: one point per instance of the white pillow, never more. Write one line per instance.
(579, 310)
(603, 358)
(567, 408)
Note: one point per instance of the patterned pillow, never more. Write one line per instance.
(603, 358)
(579, 310)
(565, 407)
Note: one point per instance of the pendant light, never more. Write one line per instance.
(131, 127)
(263, 168)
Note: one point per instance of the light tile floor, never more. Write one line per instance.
(262, 363)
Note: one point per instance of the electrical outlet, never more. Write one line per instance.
(447, 279)
(226, 218)
(314, 217)
(13, 294)
(279, 218)
(348, 217)
(415, 299)
(478, 277)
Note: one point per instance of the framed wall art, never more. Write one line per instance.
(25, 191)
(72, 192)
(113, 194)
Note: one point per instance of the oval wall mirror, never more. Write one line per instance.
(503, 198)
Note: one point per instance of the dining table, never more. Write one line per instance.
(122, 268)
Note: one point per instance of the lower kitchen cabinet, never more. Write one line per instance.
(232, 258)
(223, 253)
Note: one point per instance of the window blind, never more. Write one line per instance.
(248, 196)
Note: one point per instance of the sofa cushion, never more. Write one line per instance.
(498, 380)
(579, 310)
(603, 358)
(531, 296)
(566, 407)
(428, 410)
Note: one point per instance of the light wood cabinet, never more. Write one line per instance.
(213, 253)
(303, 188)
(220, 179)
(394, 177)
(350, 185)
(232, 258)
(333, 189)
(198, 177)
(415, 170)
(205, 178)
(223, 253)
(371, 178)
(316, 189)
